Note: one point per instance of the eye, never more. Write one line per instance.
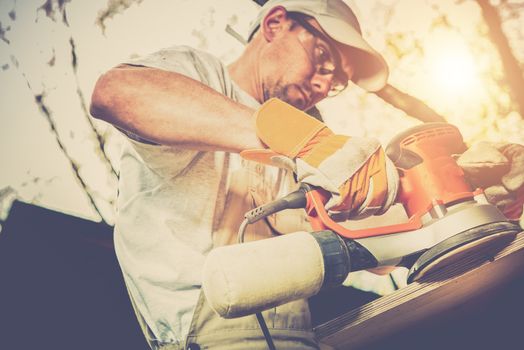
(324, 61)
(322, 55)
(324, 71)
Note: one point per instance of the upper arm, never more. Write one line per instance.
(112, 86)
(176, 97)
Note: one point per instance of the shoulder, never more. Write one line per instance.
(191, 62)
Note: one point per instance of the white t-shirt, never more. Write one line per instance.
(170, 203)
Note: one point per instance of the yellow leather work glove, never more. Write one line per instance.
(361, 179)
(498, 168)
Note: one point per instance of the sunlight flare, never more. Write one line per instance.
(455, 71)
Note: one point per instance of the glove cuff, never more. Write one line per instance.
(286, 129)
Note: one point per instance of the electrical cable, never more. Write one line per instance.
(293, 200)
(265, 330)
(242, 231)
(260, 317)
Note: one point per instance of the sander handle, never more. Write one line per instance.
(316, 198)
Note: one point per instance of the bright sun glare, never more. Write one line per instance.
(455, 71)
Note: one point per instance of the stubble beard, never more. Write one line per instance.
(281, 91)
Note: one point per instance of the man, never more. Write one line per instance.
(183, 188)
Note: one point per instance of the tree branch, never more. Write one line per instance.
(412, 106)
(83, 105)
(39, 99)
(512, 72)
(46, 112)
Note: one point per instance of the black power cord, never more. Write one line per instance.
(294, 200)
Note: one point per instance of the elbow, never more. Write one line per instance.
(103, 97)
(99, 105)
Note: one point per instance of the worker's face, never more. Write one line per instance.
(300, 64)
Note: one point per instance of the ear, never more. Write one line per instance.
(274, 23)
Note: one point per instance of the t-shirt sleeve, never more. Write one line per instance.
(192, 63)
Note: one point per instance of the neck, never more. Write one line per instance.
(245, 71)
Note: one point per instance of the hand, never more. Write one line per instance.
(361, 179)
(498, 168)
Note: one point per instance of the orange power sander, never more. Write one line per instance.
(447, 219)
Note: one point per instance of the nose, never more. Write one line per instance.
(320, 85)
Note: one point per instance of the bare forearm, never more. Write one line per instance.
(171, 109)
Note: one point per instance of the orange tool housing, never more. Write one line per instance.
(428, 172)
(429, 176)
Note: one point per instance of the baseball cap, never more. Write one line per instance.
(338, 20)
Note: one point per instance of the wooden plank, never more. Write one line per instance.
(437, 294)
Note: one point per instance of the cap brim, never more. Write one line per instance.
(371, 71)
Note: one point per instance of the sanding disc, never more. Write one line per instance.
(489, 238)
